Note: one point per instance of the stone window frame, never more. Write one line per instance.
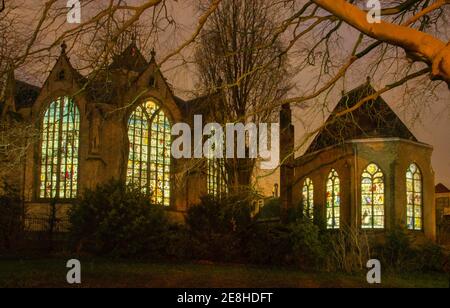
(132, 108)
(384, 197)
(309, 213)
(417, 166)
(38, 170)
(335, 226)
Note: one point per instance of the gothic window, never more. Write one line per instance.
(149, 160)
(59, 150)
(372, 198)
(333, 196)
(414, 198)
(276, 191)
(216, 177)
(308, 198)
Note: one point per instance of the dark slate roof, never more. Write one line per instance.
(130, 59)
(374, 119)
(100, 88)
(25, 94)
(442, 189)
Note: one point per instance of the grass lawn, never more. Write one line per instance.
(107, 273)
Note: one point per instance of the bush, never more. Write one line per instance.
(307, 244)
(268, 244)
(399, 254)
(11, 217)
(429, 257)
(119, 221)
(215, 227)
(348, 250)
(270, 210)
(397, 249)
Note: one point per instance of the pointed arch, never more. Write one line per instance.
(216, 177)
(372, 198)
(414, 198)
(59, 147)
(149, 158)
(333, 199)
(308, 198)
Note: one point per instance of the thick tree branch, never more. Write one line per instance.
(430, 49)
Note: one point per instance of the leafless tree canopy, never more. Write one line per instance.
(246, 47)
(239, 55)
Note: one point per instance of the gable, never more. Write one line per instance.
(131, 59)
(442, 189)
(374, 119)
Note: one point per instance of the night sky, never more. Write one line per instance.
(429, 120)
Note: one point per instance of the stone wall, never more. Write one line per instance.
(393, 156)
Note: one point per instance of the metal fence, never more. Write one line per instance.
(44, 224)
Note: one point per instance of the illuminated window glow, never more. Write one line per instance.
(308, 198)
(333, 198)
(414, 198)
(372, 198)
(149, 160)
(216, 177)
(59, 150)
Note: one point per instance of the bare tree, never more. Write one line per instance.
(31, 48)
(244, 48)
(236, 41)
(419, 45)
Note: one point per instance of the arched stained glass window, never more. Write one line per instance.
(333, 200)
(414, 198)
(308, 198)
(149, 160)
(216, 177)
(372, 198)
(59, 150)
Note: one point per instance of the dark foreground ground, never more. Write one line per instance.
(106, 273)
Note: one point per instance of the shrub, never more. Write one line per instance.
(397, 251)
(270, 210)
(268, 244)
(428, 257)
(178, 243)
(11, 217)
(307, 244)
(215, 227)
(118, 220)
(348, 251)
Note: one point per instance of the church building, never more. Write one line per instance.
(363, 169)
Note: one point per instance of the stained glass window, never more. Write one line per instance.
(216, 177)
(59, 150)
(308, 198)
(149, 160)
(372, 198)
(414, 198)
(333, 197)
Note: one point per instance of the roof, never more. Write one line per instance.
(130, 59)
(374, 119)
(442, 189)
(25, 94)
